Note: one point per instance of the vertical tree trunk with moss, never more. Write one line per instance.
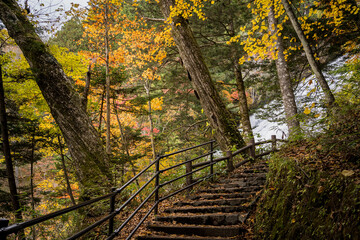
(64, 102)
(329, 97)
(286, 89)
(219, 117)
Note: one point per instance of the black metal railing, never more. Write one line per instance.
(191, 169)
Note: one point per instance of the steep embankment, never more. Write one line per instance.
(313, 187)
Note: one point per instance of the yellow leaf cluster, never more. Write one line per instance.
(187, 8)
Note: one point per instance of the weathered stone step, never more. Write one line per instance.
(198, 230)
(246, 175)
(207, 209)
(237, 184)
(205, 219)
(245, 179)
(232, 190)
(259, 170)
(218, 202)
(222, 195)
(176, 237)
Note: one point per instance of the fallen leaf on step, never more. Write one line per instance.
(347, 173)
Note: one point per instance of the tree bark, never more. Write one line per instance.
(329, 97)
(107, 78)
(286, 89)
(220, 118)
(101, 109)
(66, 176)
(126, 144)
(32, 174)
(86, 88)
(152, 140)
(65, 104)
(6, 149)
(243, 106)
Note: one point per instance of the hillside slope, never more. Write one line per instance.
(313, 186)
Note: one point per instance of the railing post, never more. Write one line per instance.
(252, 149)
(157, 183)
(273, 142)
(3, 223)
(112, 209)
(189, 178)
(211, 159)
(230, 164)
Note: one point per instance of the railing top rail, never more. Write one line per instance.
(186, 149)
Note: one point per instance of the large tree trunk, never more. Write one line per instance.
(220, 118)
(65, 104)
(329, 97)
(286, 89)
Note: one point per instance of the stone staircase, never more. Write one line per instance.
(217, 212)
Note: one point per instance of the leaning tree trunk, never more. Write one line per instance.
(329, 97)
(286, 89)
(220, 118)
(64, 102)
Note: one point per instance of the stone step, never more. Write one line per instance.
(245, 179)
(237, 184)
(245, 175)
(222, 195)
(259, 170)
(232, 190)
(207, 209)
(177, 237)
(199, 230)
(205, 219)
(218, 202)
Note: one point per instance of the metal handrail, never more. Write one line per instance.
(5, 231)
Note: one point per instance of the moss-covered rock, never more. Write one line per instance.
(304, 201)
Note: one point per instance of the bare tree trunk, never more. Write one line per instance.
(6, 149)
(66, 176)
(286, 89)
(243, 106)
(101, 110)
(329, 97)
(220, 118)
(147, 88)
(64, 102)
(126, 145)
(86, 88)
(32, 160)
(107, 77)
